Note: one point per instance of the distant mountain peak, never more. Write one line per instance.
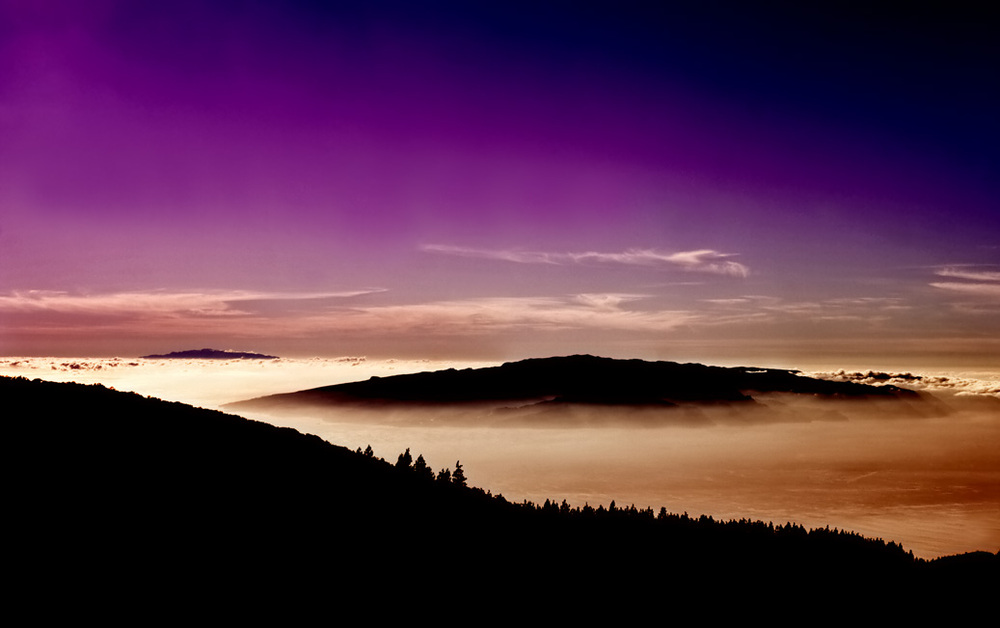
(211, 354)
(582, 379)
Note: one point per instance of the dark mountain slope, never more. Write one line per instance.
(117, 494)
(581, 379)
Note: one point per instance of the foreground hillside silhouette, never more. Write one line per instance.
(152, 491)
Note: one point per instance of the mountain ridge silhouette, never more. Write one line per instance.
(210, 354)
(579, 379)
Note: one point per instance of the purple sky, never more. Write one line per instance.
(499, 180)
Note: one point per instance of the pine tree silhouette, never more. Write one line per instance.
(458, 477)
(405, 460)
(421, 468)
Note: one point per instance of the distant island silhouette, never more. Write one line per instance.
(210, 354)
(577, 380)
(157, 495)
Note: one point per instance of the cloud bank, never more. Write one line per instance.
(955, 384)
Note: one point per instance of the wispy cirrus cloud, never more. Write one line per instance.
(243, 313)
(157, 302)
(962, 272)
(760, 308)
(496, 314)
(978, 280)
(702, 260)
(972, 289)
(240, 314)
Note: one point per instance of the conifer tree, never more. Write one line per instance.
(458, 477)
(405, 460)
(421, 468)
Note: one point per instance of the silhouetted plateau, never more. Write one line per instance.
(539, 390)
(210, 354)
(117, 492)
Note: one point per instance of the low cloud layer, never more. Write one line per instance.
(956, 384)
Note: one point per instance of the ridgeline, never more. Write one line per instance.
(210, 354)
(579, 379)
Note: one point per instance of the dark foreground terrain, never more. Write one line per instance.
(117, 499)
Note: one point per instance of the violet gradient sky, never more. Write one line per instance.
(710, 181)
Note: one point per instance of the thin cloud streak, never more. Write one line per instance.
(231, 314)
(134, 319)
(473, 316)
(980, 283)
(151, 303)
(973, 275)
(975, 289)
(765, 309)
(321, 323)
(702, 260)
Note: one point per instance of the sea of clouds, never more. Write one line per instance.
(213, 383)
(961, 384)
